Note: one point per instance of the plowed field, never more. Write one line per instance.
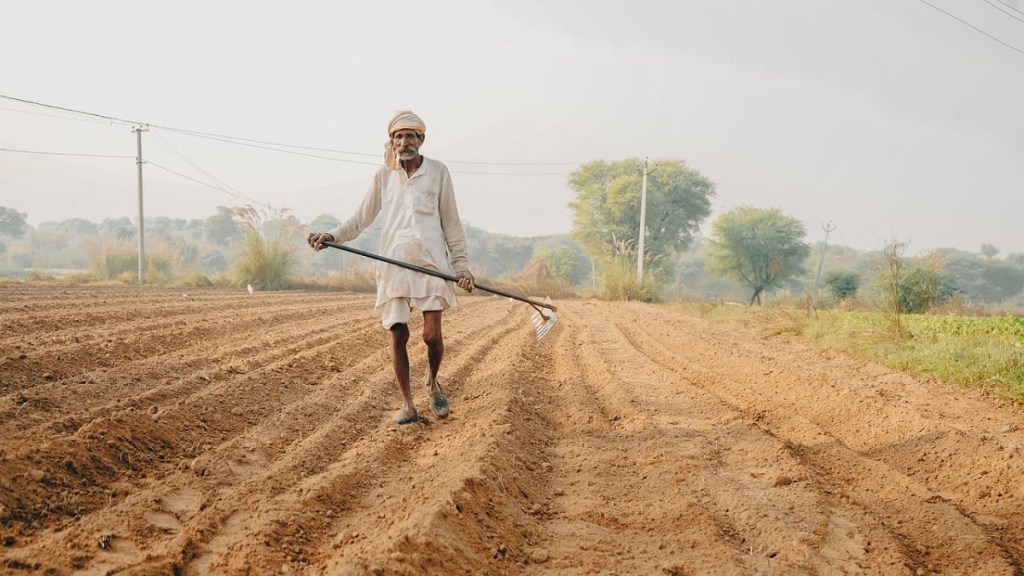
(143, 431)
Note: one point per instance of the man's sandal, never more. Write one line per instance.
(403, 417)
(438, 403)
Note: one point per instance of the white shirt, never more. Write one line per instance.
(421, 226)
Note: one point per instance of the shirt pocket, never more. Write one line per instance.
(425, 202)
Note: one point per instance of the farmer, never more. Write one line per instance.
(421, 226)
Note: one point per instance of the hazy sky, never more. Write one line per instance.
(886, 118)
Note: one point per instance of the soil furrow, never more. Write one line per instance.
(909, 510)
(234, 434)
(63, 354)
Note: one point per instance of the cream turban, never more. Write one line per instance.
(404, 120)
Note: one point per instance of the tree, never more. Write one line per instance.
(916, 285)
(119, 228)
(984, 279)
(78, 227)
(221, 228)
(12, 223)
(759, 247)
(606, 211)
(989, 251)
(563, 262)
(843, 284)
(323, 223)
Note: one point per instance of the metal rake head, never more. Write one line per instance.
(543, 320)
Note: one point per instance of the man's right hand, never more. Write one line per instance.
(316, 240)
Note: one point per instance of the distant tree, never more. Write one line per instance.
(213, 262)
(983, 279)
(78, 227)
(496, 255)
(119, 228)
(607, 205)
(160, 226)
(222, 227)
(761, 248)
(322, 223)
(194, 229)
(924, 285)
(606, 217)
(12, 223)
(989, 251)
(843, 284)
(563, 263)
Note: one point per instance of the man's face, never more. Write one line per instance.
(407, 143)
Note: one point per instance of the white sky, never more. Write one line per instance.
(885, 117)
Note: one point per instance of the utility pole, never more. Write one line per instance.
(643, 228)
(828, 228)
(142, 229)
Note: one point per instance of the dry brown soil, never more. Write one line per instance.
(146, 432)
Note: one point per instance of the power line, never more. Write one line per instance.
(1014, 8)
(252, 144)
(233, 139)
(510, 173)
(1003, 7)
(229, 192)
(972, 26)
(249, 143)
(514, 163)
(274, 146)
(93, 120)
(167, 146)
(281, 147)
(238, 195)
(64, 153)
(72, 110)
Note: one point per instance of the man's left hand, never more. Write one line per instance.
(466, 280)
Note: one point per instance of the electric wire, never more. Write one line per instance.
(71, 118)
(72, 110)
(168, 147)
(237, 195)
(283, 148)
(972, 26)
(1014, 8)
(47, 153)
(263, 147)
(252, 144)
(1003, 8)
(224, 138)
(233, 139)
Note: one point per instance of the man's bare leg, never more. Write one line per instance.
(435, 353)
(435, 345)
(400, 362)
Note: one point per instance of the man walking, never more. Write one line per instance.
(420, 226)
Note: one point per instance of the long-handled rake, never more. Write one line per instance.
(542, 321)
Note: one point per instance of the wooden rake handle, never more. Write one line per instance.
(437, 274)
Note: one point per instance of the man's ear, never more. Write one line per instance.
(423, 138)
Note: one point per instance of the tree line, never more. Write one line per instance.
(750, 253)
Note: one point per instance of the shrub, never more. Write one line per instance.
(111, 259)
(196, 280)
(267, 257)
(843, 285)
(616, 280)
